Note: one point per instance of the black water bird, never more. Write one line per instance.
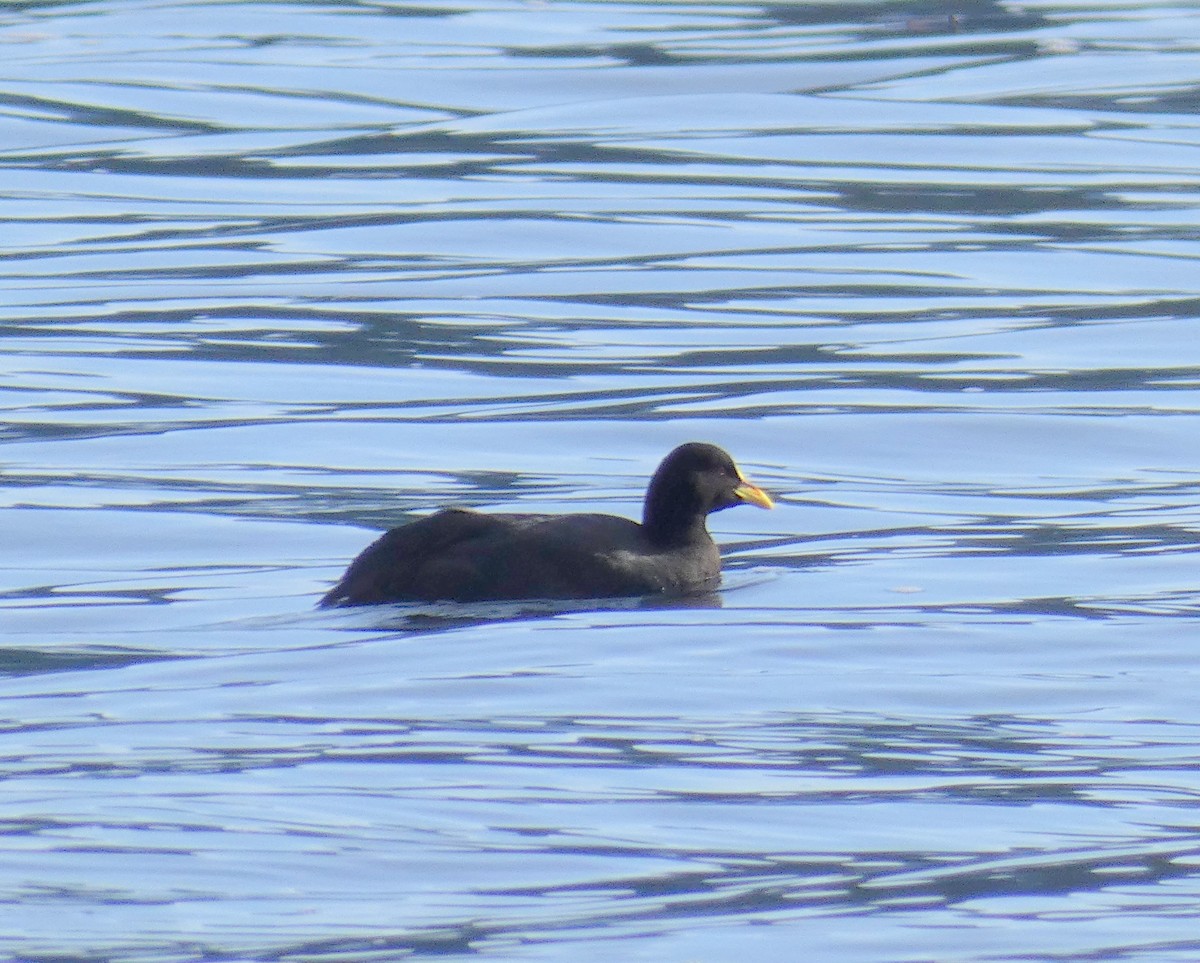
(468, 556)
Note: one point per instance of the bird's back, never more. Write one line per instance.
(464, 555)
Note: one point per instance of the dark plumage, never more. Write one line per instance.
(468, 556)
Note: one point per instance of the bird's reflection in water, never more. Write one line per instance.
(440, 616)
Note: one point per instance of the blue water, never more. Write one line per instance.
(275, 277)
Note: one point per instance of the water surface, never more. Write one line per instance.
(278, 276)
